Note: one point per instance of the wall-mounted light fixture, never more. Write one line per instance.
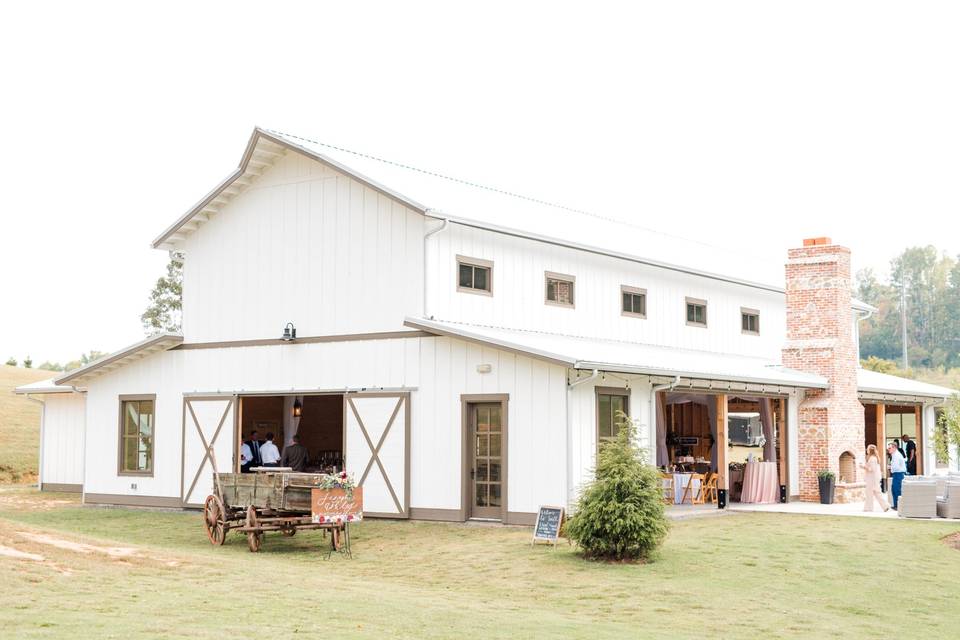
(297, 408)
(484, 368)
(289, 333)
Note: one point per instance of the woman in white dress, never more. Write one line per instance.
(871, 480)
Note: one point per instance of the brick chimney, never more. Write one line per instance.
(820, 340)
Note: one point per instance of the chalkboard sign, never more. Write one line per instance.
(547, 527)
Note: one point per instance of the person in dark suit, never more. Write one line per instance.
(910, 453)
(254, 445)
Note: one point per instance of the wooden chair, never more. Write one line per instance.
(709, 488)
(666, 482)
(696, 495)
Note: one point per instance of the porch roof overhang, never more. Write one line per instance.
(696, 368)
(883, 387)
(43, 387)
(142, 349)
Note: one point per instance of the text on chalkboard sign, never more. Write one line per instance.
(547, 526)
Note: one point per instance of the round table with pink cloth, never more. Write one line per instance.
(760, 483)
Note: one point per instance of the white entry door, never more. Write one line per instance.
(208, 445)
(377, 429)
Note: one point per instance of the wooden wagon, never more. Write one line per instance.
(255, 503)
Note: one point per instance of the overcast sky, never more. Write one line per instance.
(748, 125)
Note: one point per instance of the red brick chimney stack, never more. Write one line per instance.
(820, 340)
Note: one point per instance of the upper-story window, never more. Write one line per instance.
(474, 275)
(750, 321)
(633, 301)
(559, 289)
(696, 312)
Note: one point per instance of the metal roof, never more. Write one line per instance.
(141, 349)
(43, 387)
(471, 204)
(884, 384)
(626, 357)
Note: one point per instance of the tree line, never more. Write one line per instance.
(84, 359)
(922, 291)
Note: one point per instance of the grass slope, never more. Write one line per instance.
(733, 576)
(19, 425)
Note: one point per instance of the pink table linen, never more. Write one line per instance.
(760, 483)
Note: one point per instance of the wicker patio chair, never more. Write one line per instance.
(918, 499)
(949, 505)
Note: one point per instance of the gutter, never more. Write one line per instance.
(569, 476)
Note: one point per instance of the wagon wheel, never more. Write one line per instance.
(214, 520)
(254, 538)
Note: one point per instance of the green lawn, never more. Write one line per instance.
(19, 425)
(739, 575)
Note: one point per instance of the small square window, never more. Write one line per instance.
(559, 289)
(633, 302)
(696, 312)
(750, 321)
(474, 275)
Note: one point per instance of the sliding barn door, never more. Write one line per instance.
(208, 444)
(377, 430)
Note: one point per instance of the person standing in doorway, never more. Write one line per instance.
(254, 444)
(910, 453)
(269, 453)
(898, 469)
(246, 457)
(871, 481)
(295, 455)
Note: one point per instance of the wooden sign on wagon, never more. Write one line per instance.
(547, 526)
(335, 506)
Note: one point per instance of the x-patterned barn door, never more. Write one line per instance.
(377, 429)
(208, 442)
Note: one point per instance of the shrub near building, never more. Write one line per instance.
(620, 514)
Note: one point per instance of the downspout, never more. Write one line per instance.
(43, 419)
(570, 385)
(654, 390)
(426, 287)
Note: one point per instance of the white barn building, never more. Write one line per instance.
(462, 360)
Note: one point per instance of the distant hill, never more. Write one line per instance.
(19, 425)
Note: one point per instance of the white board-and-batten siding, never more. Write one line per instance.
(308, 245)
(518, 296)
(436, 371)
(62, 440)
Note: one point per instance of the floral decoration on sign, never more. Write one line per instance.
(341, 480)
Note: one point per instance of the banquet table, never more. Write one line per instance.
(680, 481)
(760, 483)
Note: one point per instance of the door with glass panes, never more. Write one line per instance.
(487, 484)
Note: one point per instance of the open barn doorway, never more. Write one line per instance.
(733, 442)
(316, 421)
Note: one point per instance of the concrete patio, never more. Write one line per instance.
(852, 509)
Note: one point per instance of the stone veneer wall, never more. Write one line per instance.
(820, 340)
